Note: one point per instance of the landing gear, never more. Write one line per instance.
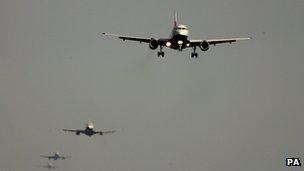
(180, 48)
(194, 54)
(160, 52)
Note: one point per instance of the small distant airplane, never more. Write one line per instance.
(178, 40)
(49, 166)
(56, 156)
(89, 130)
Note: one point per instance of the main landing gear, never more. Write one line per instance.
(194, 54)
(160, 52)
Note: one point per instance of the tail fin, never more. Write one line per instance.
(175, 19)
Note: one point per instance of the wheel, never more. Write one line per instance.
(196, 55)
(158, 54)
(192, 55)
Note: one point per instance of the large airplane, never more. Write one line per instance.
(88, 131)
(56, 156)
(178, 40)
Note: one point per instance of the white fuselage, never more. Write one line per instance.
(180, 30)
(57, 155)
(89, 131)
(179, 37)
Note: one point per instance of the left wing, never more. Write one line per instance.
(217, 41)
(105, 132)
(64, 157)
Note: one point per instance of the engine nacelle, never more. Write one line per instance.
(153, 44)
(204, 45)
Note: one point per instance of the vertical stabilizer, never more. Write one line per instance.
(175, 19)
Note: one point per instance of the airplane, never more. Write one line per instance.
(56, 156)
(178, 40)
(49, 166)
(89, 130)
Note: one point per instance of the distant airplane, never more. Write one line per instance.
(89, 130)
(56, 156)
(178, 40)
(49, 166)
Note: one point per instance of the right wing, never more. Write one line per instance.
(46, 156)
(138, 39)
(72, 130)
(132, 38)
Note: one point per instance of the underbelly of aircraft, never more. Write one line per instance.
(179, 42)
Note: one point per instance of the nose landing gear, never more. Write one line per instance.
(160, 52)
(194, 54)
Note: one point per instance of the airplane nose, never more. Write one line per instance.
(91, 126)
(183, 32)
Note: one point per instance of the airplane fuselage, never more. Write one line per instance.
(55, 157)
(89, 131)
(179, 38)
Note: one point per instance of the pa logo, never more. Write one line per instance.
(293, 162)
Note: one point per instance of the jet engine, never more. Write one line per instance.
(77, 133)
(153, 44)
(204, 45)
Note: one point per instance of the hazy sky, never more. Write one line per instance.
(237, 107)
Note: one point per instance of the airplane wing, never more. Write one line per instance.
(132, 38)
(109, 132)
(65, 157)
(49, 167)
(217, 41)
(138, 39)
(73, 130)
(46, 156)
(70, 130)
(105, 132)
